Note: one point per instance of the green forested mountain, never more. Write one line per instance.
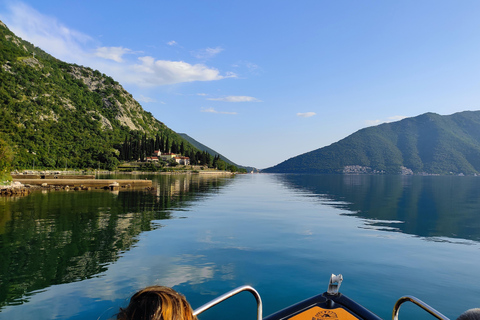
(55, 114)
(429, 143)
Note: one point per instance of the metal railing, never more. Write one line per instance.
(229, 295)
(418, 302)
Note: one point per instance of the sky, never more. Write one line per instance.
(263, 81)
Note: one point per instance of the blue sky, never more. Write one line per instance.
(263, 81)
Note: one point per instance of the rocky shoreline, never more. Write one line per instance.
(15, 189)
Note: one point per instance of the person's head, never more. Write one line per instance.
(472, 314)
(157, 303)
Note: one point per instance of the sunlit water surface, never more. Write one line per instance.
(81, 255)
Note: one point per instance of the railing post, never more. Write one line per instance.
(418, 302)
(231, 294)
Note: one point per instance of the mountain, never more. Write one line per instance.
(429, 143)
(55, 114)
(212, 152)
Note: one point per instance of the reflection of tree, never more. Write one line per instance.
(432, 206)
(61, 237)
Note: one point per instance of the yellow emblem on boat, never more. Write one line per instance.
(317, 313)
(325, 315)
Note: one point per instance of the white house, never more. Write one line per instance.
(182, 160)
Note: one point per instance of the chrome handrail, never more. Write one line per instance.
(418, 302)
(230, 294)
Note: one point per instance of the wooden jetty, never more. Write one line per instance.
(93, 183)
(53, 176)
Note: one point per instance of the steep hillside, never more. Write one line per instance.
(429, 143)
(55, 114)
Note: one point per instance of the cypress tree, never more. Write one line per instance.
(174, 147)
(151, 147)
(162, 144)
(157, 142)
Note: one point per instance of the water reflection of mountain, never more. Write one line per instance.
(60, 237)
(431, 206)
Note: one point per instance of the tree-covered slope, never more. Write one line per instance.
(212, 152)
(429, 143)
(203, 147)
(54, 114)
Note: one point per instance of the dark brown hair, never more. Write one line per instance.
(472, 314)
(157, 303)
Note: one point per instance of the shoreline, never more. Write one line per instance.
(92, 173)
(24, 183)
(23, 187)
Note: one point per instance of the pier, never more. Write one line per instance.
(93, 183)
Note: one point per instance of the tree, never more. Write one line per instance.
(157, 142)
(167, 146)
(174, 147)
(6, 157)
(221, 165)
(162, 144)
(215, 161)
(182, 149)
(173, 163)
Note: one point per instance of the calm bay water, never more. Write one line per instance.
(80, 255)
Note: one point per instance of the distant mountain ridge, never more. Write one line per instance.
(429, 143)
(212, 152)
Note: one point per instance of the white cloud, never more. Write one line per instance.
(389, 119)
(236, 99)
(212, 110)
(306, 114)
(250, 67)
(207, 53)
(151, 72)
(172, 43)
(373, 122)
(75, 47)
(112, 53)
(142, 98)
(396, 118)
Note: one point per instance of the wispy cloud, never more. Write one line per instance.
(207, 53)
(75, 47)
(46, 32)
(306, 114)
(212, 110)
(142, 98)
(250, 67)
(112, 53)
(236, 99)
(172, 43)
(389, 119)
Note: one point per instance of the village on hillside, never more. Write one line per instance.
(159, 161)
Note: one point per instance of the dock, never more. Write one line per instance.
(53, 176)
(93, 183)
